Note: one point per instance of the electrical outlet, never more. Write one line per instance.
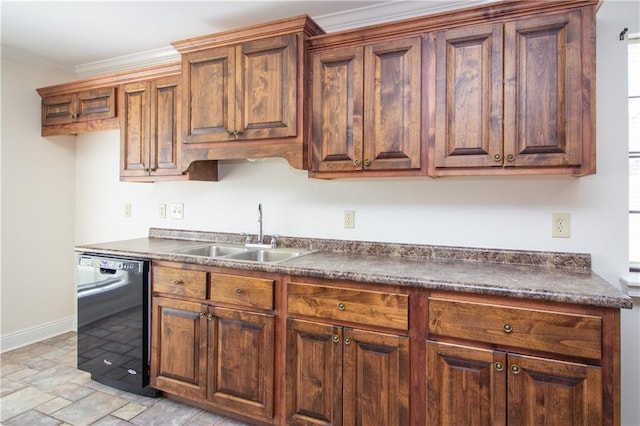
(349, 219)
(127, 209)
(162, 211)
(560, 225)
(176, 211)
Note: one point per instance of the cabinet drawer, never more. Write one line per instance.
(180, 282)
(561, 333)
(361, 306)
(243, 291)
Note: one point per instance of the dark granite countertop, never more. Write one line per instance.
(557, 277)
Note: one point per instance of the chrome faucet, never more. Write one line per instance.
(260, 235)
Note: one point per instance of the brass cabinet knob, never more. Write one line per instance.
(341, 306)
(497, 157)
(239, 291)
(209, 316)
(335, 338)
(356, 163)
(201, 314)
(176, 282)
(498, 366)
(511, 157)
(347, 341)
(507, 328)
(367, 162)
(515, 369)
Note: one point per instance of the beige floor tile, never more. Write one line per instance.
(90, 409)
(53, 377)
(39, 363)
(71, 391)
(22, 400)
(165, 413)
(129, 411)
(8, 386)
(7, 367)
(205, 418)
(111, 421)
(53, 405)
(22, 374)
(32, 418)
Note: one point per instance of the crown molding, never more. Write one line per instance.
(354, 18)
(144, 59)
(388, 12)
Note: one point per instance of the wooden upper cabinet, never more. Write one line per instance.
(516, 97)
(242, 92)
(245, 92)
(366, 108)
(149, 132)
(82, 106)
(469, 97)
(544, 91)
(78, 112)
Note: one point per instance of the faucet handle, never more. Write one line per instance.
(274, 243)
(247, 237)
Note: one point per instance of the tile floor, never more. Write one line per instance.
(40, 385)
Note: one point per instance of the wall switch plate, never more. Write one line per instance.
(560, 225)
(162, 211)
(176, 211)
(349, 219)
(127, 209)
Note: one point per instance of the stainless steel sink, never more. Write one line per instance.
(268, 255)
(243, 253)
(212, 250)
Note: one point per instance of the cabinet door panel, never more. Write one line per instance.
(337, 110)
(314, 374)
(209, 95)
(392, 81)
(179, 348)
(548, 392)
(164, 125)
(267, 88)
(543, 90)
(134, 129)
(96, 104)
(241, 361)
(59, 109)
(469, 97)
(376, 379)
(464, 386)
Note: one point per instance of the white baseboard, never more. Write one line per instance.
(35, 334)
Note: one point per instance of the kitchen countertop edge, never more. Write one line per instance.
(391, 268)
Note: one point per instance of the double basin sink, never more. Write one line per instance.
(243, 253)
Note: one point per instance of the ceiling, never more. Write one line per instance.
(72, 33)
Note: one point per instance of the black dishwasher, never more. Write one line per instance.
(113, 322)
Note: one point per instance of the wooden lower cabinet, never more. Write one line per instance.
(219, 357)
(343, 376)
(474, 386)
(179, 347)
(241, 361)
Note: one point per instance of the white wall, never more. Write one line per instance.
(481, 212)
(38, 209)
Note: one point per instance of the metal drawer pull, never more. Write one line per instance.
(176, 282)
(341, 306)
(498, 366)
(507, 328)
(335, 338)
(515, 369)
(209, 317)
(239, 292)
(201, 314)
(347, 341)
